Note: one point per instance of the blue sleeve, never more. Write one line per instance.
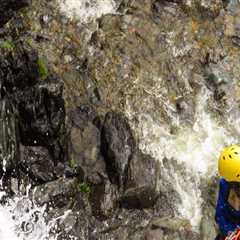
(224, 225)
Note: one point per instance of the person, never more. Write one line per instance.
(228, 204)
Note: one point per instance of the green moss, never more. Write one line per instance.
(8, 46)
(72, 163)
(29, 42)
(84, 188)
(42, 68)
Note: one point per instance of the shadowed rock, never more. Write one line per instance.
(39, 165)
(57, 193)
(142, 183)
(84, 145)
(117, 145)
(9, 144)
(9, 7)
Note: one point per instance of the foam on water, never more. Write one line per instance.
(22, 219)
(195, 148)
(86, 10)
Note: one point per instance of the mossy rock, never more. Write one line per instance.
(7, 45)
(42, 68)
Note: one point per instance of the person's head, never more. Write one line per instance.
(229, 164)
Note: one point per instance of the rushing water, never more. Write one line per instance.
(196, 148)
(87, 10)
(21, 218)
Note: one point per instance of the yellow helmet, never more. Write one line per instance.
(229, 163)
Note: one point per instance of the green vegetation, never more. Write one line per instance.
(72, 163)
(7, 45)
(42, 68)
(84, 188)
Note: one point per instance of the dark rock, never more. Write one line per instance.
(57, 193)
(9, 7)
(118, 145)
(40, 106)
(84, 145)
(39, 165)
(103, 198)
(21, 70)
(9, 144)
(42, 116)
(141, 197)
(142, 183)
(83, 114)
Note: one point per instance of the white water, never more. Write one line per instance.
(86, 10)
(195, 148)
(22, 219)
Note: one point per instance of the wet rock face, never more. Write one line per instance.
(142, 183)
(21, 71)
(57, 193)
(117, 146)
(9, 137)
(104, 199)
(33, 114)
(42, 116)
(9, 8)
(39, 165)
(84, 145)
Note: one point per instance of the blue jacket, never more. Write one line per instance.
(226, 216)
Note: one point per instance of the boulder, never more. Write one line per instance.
(39, 165)
(103, 199)
(142, 182)
(141, 197)
(84, 151)
(57, 193)
(118, 145)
